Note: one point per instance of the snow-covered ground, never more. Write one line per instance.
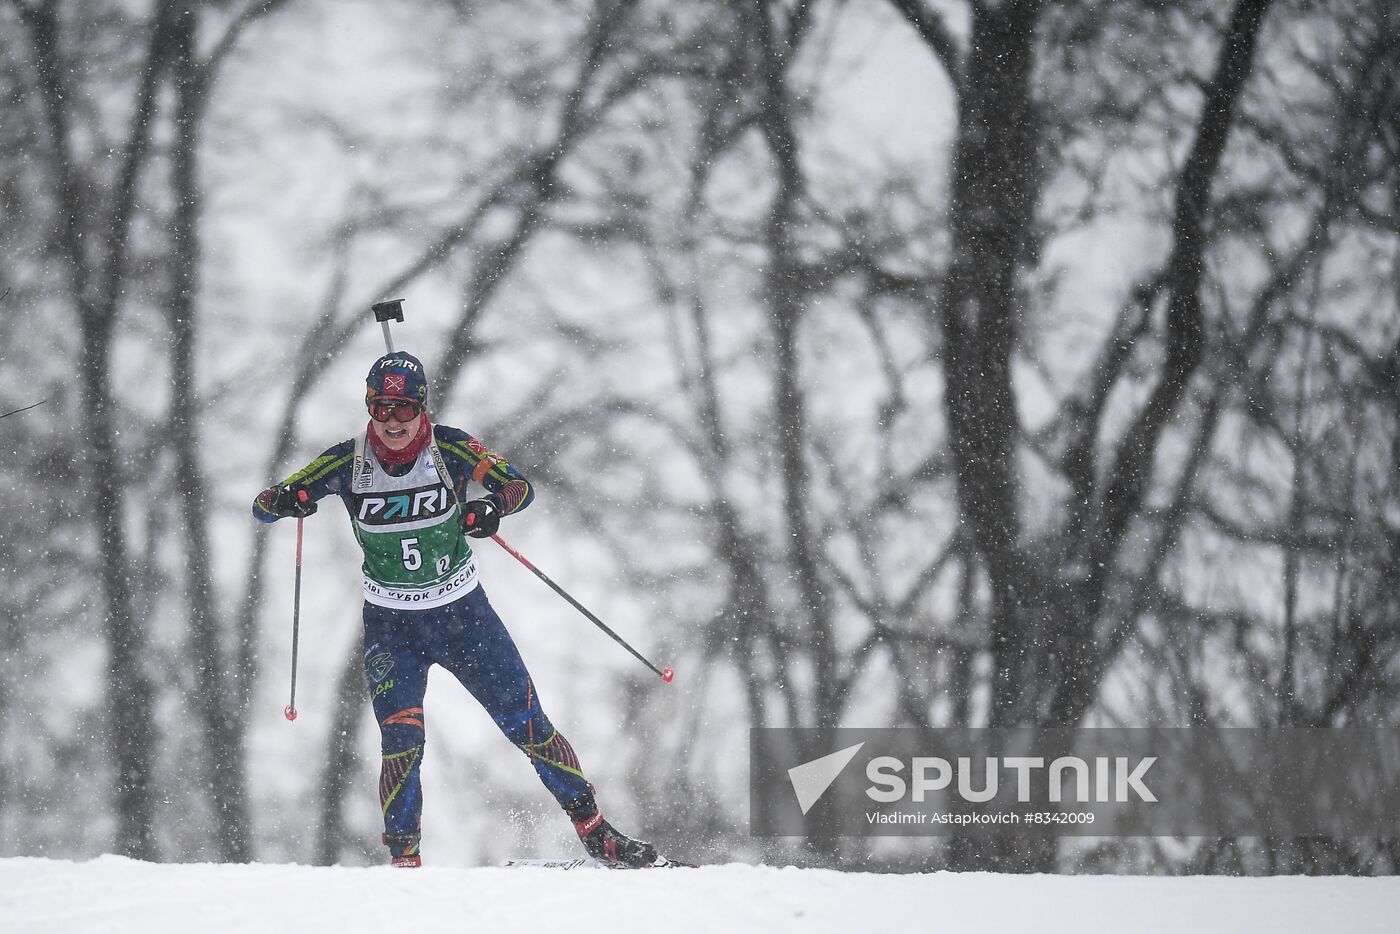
(112, 894)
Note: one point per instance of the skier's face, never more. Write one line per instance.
(394, 434)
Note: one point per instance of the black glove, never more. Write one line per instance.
(481, 518)
(287, 500)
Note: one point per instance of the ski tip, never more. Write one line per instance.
(663, 862)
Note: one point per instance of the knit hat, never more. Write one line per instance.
(397, 376)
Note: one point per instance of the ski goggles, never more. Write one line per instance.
(401, 410)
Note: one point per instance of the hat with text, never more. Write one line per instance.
(397, 376)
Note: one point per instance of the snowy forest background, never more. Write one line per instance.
(878, 362)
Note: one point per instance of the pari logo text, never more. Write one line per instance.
(1067, 779)
(425, 503)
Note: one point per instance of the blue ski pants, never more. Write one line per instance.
(468, 639)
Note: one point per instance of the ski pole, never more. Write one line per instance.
(666, 673)
(384, 312)
(25, 409)
(291, 712)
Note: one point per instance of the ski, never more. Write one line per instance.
(582, 862)
(585, 862)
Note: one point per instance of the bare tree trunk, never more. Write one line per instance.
(994, 186)
(222, 721)
(785, 298)
(995, 182)
(130, 693)
(96, 278)
(340, 746)
(1131, 472)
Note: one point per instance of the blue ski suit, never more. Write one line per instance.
(459, 631)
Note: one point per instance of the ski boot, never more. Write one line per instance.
(403, 850)
(604, 843)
